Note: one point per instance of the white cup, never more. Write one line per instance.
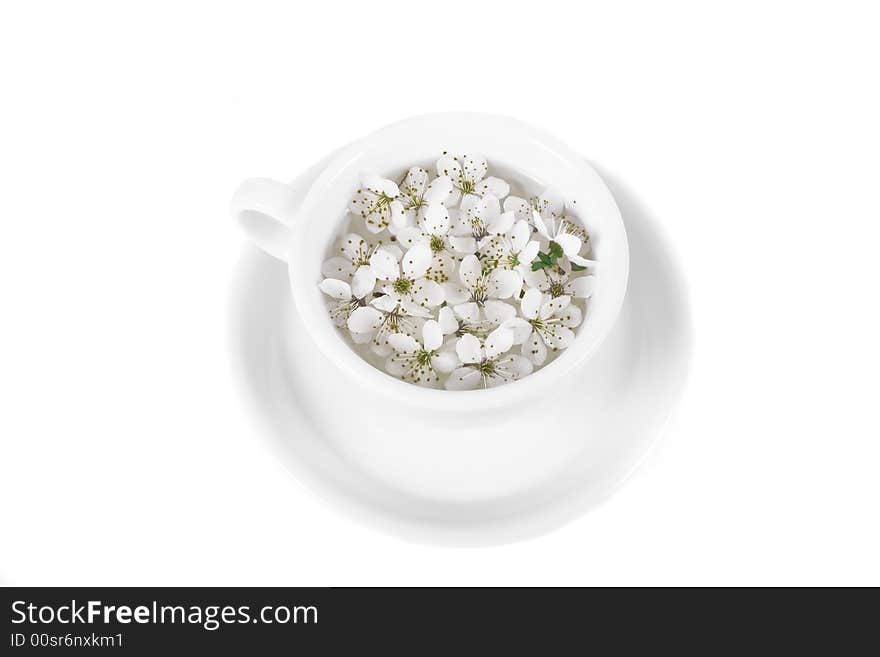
(299, 225)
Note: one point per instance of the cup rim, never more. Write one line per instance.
(308, 303)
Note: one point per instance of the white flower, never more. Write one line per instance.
(419, 362)
(479, 296)
(416, 195)
(487, 365)
(356, 253)
(433, 232)
(514, 251)
(348, 297)
(579, 287)
(468, 176)
(382, 317)
(548, 215)
(451, 323)
(553, 222)
(479, 218)
(406, 282)
(566, 234)
(377, 203)
(548, 204)
(551, 321)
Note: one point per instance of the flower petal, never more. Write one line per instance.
(439, 189)
(414, 184)
(540, 225)
(494, 251)
(444, 361)
(393, 249)
(569, 243)
(518, 366)
(379, 220)
(365, 320)
(529, 253)
(465, 244)
(335, 288)
(378, 185)
(582, 262)
(425, 376)
(470, 206)
(385, 302)
(409, 220)
(362, 202)
(361, 338)
(496, 379)
(447, 321)
(551, 202)
(416, 261)
(469, 312)
(414, 309)
(442, 267)
(534, 349)
(531, 303)
(382, 348)
(428, 294)
(468, 349)
(432, 335)
(354, 247)
(558, 337)
(448, 166)
(464, 378)
(583, 287)
(337, 267)
(490, 208)
(498, 311)
(398, 366)
(384, 265)
(375, 207)
(455, 293)
(502, 223)
(503, 283)
(519, 233)
(521, 329)
(363, 282)
(498, 341)
(436, 219)
(531, 278)
(494, 186)
(571, 316)
(403, 343)
(470, 271)
(553, 306)
(398, 216)
(474, 167)
(453, 198)
(411, 236)
(520, 208)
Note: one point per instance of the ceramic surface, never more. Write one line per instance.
(504, 478)
(297, 222)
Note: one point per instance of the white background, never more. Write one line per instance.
(752, 130)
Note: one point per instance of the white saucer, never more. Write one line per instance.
(491, 484)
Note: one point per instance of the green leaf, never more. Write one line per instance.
(576, 267)
(555, 251)
(543, 260)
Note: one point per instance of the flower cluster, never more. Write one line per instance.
(458, 284)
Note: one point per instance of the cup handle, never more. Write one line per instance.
(264, 208)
